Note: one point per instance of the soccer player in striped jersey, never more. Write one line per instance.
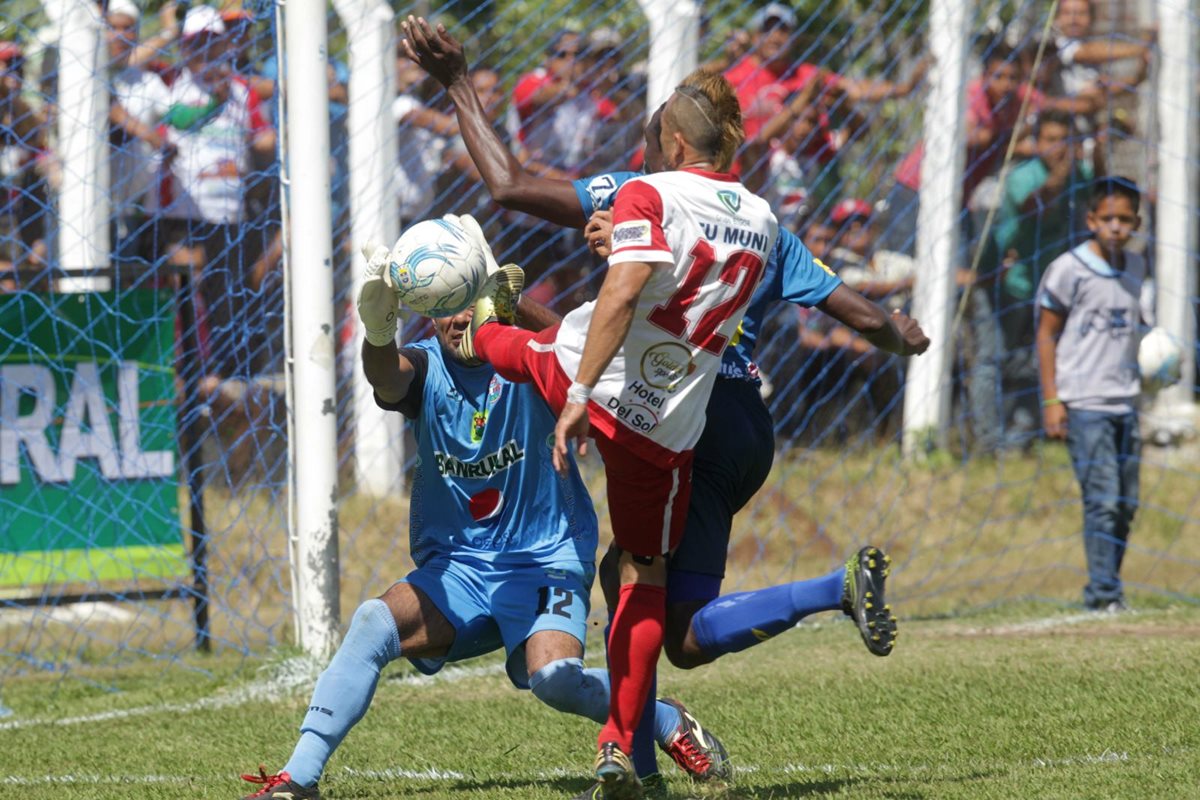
(504, 546)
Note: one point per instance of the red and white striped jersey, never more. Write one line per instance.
(708, 238)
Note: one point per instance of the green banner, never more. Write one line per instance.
(88, 477)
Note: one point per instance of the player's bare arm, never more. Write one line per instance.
(899, 333)
(607, 330)
(508, 182)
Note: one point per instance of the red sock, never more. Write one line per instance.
(634, 642)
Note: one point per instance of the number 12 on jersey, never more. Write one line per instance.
(742, 271)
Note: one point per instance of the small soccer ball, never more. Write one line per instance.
(437, 268)
(1160, 359)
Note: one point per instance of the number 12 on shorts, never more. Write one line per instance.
(554, 600)
(671, 317)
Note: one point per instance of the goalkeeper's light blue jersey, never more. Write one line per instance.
(792, 275)
(484, 485)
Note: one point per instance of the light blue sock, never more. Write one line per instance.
(735, 622)
(344, 690)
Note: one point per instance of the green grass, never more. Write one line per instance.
(1003, 705)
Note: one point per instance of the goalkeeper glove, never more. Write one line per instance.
(468, 224)
(378, 302)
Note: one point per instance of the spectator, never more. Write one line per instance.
(994, 103)
(423, 132)
(1042, 207)
(149, 52)
(556, 117)
(879, 275)
(139, 101)
(24, 199)
(1041, 215)
(617, 129)
(1080, 53)
(763, 78)
(215, 124)
(817, 234)
(793, 147)
(736, 44)
(1087, 353)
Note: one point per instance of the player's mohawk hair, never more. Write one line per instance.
(712, 99)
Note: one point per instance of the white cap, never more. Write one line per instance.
(771, 11)
(604, 39)
(125, 8)
(202, 19)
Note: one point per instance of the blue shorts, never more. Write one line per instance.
(493, 606)
(732, 461)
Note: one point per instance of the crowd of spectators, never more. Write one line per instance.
(194, 167)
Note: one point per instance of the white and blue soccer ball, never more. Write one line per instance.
(437, 268)
(1160, 359)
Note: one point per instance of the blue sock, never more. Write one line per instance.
(344, 690)
(645, 759)
(735, 622)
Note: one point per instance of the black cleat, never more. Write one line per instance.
(614, 771)
(280, 787)
(863, 599)
(654, 787)
(697, 752)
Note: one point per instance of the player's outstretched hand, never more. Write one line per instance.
(572, 424)
(434, 50)
(598, 233)
(915, 340)
(378, 304)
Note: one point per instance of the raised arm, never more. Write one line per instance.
(899, 333)
(508, 182)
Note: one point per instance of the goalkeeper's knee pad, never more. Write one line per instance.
(565, 685)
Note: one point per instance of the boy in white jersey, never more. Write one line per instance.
(635, 368)
(1087, 342)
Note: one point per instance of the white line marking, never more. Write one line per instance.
(73, 614)
(292, 676)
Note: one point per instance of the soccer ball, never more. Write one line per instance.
(1160, 359)
(437, 268)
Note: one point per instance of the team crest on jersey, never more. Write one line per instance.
(731, 200)
(478, 422)
(634, 233)
(494, 389)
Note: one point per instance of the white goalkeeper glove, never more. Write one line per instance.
(378, 302)
(468, 223)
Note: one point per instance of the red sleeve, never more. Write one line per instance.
(258, 123)
(638, 225)
(524, 91)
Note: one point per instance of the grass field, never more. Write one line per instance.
(1014, 704)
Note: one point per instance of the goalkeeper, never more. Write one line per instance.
(504, 547)
(735, 452)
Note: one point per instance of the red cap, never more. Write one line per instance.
(849, 208)
(9, 51)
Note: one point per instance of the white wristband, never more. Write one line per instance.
(578, 393)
